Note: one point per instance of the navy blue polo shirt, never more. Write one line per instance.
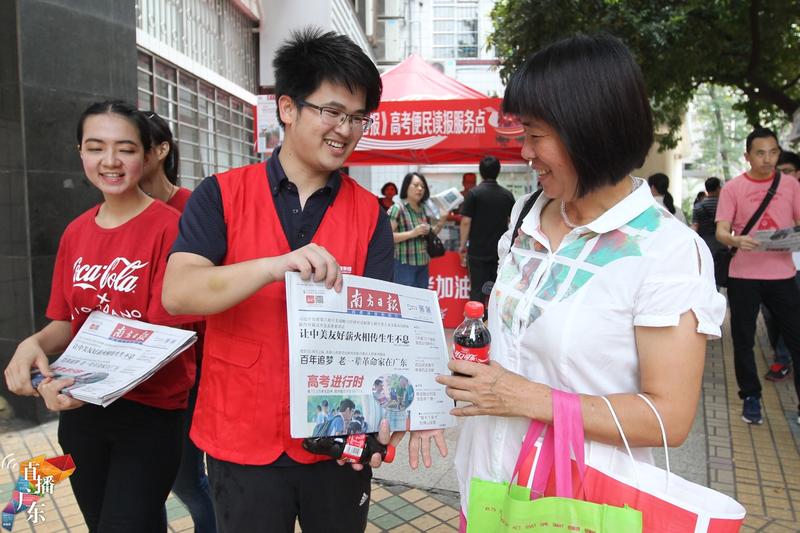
(203, 230)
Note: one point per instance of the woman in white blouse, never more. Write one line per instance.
(603, 293)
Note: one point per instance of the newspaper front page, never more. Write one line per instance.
(110, 355)
(367, 353)
(780, 240)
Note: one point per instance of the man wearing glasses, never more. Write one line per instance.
(242, 230)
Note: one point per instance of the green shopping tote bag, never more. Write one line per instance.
(507, 507)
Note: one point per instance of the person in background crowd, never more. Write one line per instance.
(468, 181)
(699, 198)
(704, 213)
(241, 232)
(388, 192)
(755, 277)
(602, 293)
(789, 164)
(411, 224)
(485, 213)
(128, 453)
(659, 187)
(160, 181)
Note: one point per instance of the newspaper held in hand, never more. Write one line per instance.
(367, 353)
(109, 356)
(779, 240)
(446, 201)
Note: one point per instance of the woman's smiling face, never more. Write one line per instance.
(549, 157)
(112, 153)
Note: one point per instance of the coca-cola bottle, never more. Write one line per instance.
(471, 340)
(355, 448)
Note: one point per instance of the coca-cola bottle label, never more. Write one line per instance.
(473, 355)
(354, 447)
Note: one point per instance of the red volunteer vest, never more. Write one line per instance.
(242, 412)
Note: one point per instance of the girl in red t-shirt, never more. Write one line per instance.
(112, 258)
(160, 176)
(160, 181)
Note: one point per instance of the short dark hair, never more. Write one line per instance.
(713, 184)
(386, 185)
(160, 133)
(346, 404)
(325, 403)
(605, 122)
(312, 56)
(489, 167)
(407, 182)
(759, 133)
(123, 109)
(789, 158)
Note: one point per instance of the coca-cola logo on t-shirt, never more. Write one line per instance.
(119, 275)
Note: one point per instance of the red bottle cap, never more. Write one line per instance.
(473, 310)
(389, 457)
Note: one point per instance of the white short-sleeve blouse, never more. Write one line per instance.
(566, 317)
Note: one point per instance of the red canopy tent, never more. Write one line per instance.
(426, 117)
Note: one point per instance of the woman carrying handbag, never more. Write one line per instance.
(414, 232)
(600, 291)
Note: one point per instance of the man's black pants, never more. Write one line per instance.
(325, 497)
(480, 271)
(745, 296)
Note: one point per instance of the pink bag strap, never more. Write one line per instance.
(534, 431)
(567, 436)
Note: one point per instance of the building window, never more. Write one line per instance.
(214, 129)
(455, 29)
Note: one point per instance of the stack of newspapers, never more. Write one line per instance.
(110, 356)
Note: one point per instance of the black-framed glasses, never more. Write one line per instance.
(336, 117)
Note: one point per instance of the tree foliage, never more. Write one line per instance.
(751, 46)
(720, 131)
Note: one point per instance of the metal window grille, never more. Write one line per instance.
(214, 129)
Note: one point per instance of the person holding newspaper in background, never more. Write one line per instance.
(112, 258)
(761, 198)
(160, 181)
(242, 231)
(601, 292)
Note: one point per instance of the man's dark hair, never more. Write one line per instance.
(713, 184)
(123, 109)
(407, 182)
(312, 56)
(346, 404)
(605, 124)
(789, 158)
(759, 133)
(325, 403)
(489, 168)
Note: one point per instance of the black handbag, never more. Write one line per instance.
(435, 245)
(724, 256)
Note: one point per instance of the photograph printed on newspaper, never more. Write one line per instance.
(110, 355)
(779, 240)
(369, 352)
